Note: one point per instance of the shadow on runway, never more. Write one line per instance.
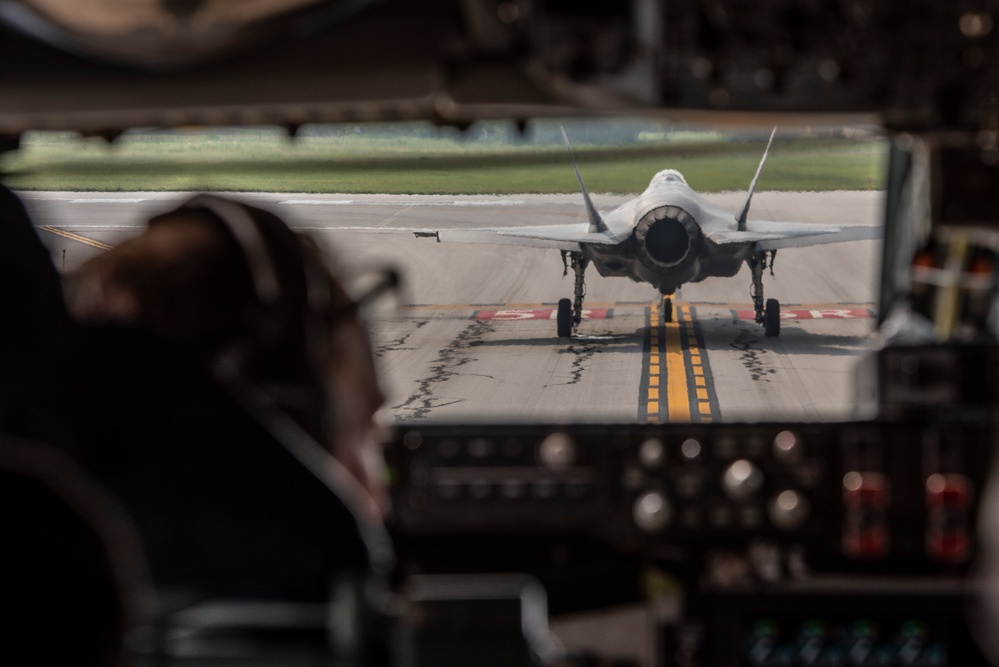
(800, 341)
(724, 333)
(602, 339)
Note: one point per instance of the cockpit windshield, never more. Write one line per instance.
(488, 228)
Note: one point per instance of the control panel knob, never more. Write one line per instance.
(788, 510)
(557, 451)
(741, 480)
(690, 449)
(652, 453)
(652, 512)
(788, 447)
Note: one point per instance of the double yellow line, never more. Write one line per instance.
(676, 385)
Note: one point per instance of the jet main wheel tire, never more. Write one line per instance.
(564, 318)
(772, 318)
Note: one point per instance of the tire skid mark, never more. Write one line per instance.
(582, 355)
(751, 357)
(449, 360)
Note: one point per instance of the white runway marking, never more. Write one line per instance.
(500, 202)
(344, 202)
(97, 228)
(317, 202)
(105, 201)
(327, 228)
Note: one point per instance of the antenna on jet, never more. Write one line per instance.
(596, 223)
(741, 220)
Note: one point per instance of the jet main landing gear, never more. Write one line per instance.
(564, 318)
(772, 317)
(768, 311)
(570, 313)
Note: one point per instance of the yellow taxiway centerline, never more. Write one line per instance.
(677, 389)
(76, 237)
(677, 395)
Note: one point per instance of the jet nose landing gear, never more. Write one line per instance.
(666, 309)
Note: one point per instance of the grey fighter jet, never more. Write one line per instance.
(667, 236)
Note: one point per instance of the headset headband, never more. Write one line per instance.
(244, 230)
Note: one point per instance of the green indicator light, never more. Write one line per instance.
(765, 626)
(863, 628)
(815, 627)
(913, 629)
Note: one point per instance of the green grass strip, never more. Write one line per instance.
(407, 166)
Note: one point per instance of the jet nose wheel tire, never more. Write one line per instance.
(564, 318)
(773, 318)
(667, 309)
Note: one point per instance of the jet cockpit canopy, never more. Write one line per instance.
(667, 176)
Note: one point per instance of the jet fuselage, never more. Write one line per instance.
(662, 240)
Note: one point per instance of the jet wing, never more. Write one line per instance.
(773, 235)
(560, 237)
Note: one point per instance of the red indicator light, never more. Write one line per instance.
(948, 502)
(865, 526)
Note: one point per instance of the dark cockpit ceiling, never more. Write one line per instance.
(100, 66)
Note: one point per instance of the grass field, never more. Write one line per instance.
(263, 160)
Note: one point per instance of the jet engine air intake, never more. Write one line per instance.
(666, 236)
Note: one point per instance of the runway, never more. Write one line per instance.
(472, 337)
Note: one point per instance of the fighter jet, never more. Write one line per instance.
(667, 236)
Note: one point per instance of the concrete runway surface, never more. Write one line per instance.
(472, 337)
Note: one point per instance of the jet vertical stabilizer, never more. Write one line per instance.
(596, 222)
(744, 212)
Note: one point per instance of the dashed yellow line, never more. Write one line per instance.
(75, 237)
(655, 377)
(703, 398)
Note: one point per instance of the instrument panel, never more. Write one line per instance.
(852, 494)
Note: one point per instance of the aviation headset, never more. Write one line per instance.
(282, 343)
